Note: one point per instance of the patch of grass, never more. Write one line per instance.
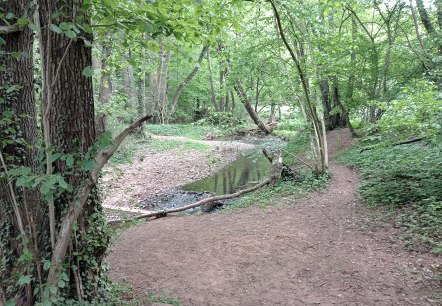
(120, 293)
(159, 145)
(155, 298)
(128, 148)
(283, 193)
(186, 130)
(132, 145)
(300, 144)
(406, 179)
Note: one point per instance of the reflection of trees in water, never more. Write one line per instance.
(236, 176)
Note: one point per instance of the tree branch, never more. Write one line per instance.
(80, 199)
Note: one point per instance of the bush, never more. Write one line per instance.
(405, 177)
(224, 120)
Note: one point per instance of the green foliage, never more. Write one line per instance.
(155, 298)
(134, 145)
(416, 112)
(283, 193)
(222, 119)
(405, 177)
(197, 132)
(159, 145)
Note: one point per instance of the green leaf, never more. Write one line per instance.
(61, 283)
(63, 183)
(22, 22)
(69, 161)
(33, 27)
(88, 164)
(26, 256)
(11, 302)
(46, 187)
(56, 15)
(9, 16)
(87, 43)
(71, 34)
(66, 26)
(24, 280)
(436, 250)
(52, 290)
(147, 27)
(46, 265)
(87, 28)
(54, 157)
(55, 28)
(88, 72)
(2, 42)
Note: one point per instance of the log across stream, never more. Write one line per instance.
(249, 170)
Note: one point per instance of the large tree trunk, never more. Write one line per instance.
(212, 86)
(22, 132)
(249, 107)
(130, 88)
(183, 84)
(105, 89)
(69, 106)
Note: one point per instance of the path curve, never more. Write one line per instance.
(312, 251)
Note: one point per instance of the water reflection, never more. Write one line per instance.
(240, 174)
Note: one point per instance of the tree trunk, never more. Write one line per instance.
(212, 86)
(250, 110)
(183, 84)
(69, 105)
(162, 95)
(105, 90)
(17, 72)
(425, 18)
(130, 88)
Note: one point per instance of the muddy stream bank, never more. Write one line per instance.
(173, 178)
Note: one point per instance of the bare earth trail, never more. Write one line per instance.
(321, 250)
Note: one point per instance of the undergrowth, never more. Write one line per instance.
(133, 144)
(197, 132)
(282, 193)
(155, 298)
(406, 179)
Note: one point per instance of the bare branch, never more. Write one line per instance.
(80, 199)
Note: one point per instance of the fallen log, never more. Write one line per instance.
(275, 174)
(413, 140)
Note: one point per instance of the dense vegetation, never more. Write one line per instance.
(74, 73)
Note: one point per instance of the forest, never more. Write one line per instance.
(109, 109)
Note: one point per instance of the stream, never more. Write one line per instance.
(248, 169)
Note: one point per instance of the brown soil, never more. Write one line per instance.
(323, 250)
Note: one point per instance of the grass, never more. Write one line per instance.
(282, 193)
(186, 130)
(155, 298)
(132, 145)
(407, 179)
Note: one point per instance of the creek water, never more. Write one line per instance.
(249, 168)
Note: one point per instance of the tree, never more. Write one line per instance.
(20, 208)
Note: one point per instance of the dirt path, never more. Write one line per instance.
(324, 250)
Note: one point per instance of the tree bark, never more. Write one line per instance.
(212, 86)
(17, 72)
(69, 106)
(250, 110)
(105, 89)
(183, 84)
